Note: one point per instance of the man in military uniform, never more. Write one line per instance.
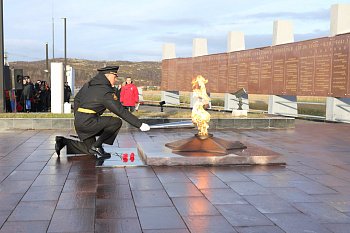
(92, 100)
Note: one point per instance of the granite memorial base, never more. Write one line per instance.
(157, 154)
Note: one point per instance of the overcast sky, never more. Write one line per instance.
(135, 30)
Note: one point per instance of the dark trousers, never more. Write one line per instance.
(107, 135)
(130, 108)
(79, 147)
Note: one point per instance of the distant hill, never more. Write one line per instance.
(143, 73)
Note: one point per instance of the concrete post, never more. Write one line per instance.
(340, 19)
(200, 47)
(169, 51)
(283, 105)
(171, 97)
(71, 78)
(235, 41)
(338, 109)
(57, 83)
(282, 32)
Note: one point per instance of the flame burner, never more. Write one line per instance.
(207, 145)
(203, 143)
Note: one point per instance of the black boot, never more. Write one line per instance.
(99, 152)
(59, 145)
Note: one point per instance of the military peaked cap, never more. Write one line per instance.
(109, 69)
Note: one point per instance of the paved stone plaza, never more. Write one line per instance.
(41, 193)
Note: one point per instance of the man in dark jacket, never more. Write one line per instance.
(67, 92)
(92, 100)
(27, 93)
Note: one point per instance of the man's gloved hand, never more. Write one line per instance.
(144, 127)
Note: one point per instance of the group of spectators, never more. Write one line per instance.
(37, 97)
(128, 94)
(33, 97)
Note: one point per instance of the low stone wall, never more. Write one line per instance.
(68, 123)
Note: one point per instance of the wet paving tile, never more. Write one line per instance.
(25, 227)
(160, 218)
(111, 178)
(4, 214)
(243, 215)
(33, 211)
(196, 171)
(173, 177)
(126, 225)
(293, 195)
(145, 184)
(79, 200)
(248, 188)
(228, 174)
(8, 201)
(297, 222)
(140, 172)
(40, 193)
(109, 191)
(323, 213)
(80, 185)
(209, 182)
(167, 231)
(149, 198)
(338, 228)
(182, 190)
(329, 180)
(340, 201)
(53, 170)
(223, 196)
(44, 180)
(115, 208)
(270, 204)
(259, 229)
(311, 187)
(208, 224)
(75, 220)
(188, 206)
(15, 186)
(23, 175)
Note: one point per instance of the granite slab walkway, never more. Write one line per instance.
(41, 193)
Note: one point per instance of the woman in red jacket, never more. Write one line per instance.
(129, 95)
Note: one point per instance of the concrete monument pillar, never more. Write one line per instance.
(71, 78)
(280, 104)
(200, 47)
(171, 97)
(282, 32)
(283, 105)
(57, 83)
(169, 51)
(338, 109)
(235, 41)
(340, 19)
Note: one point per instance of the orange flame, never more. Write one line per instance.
(200, 117)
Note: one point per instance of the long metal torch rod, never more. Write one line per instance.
(179, 124)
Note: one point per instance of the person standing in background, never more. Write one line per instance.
(129, 95)
(118, 89)
(27, 94)
(67, 92)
